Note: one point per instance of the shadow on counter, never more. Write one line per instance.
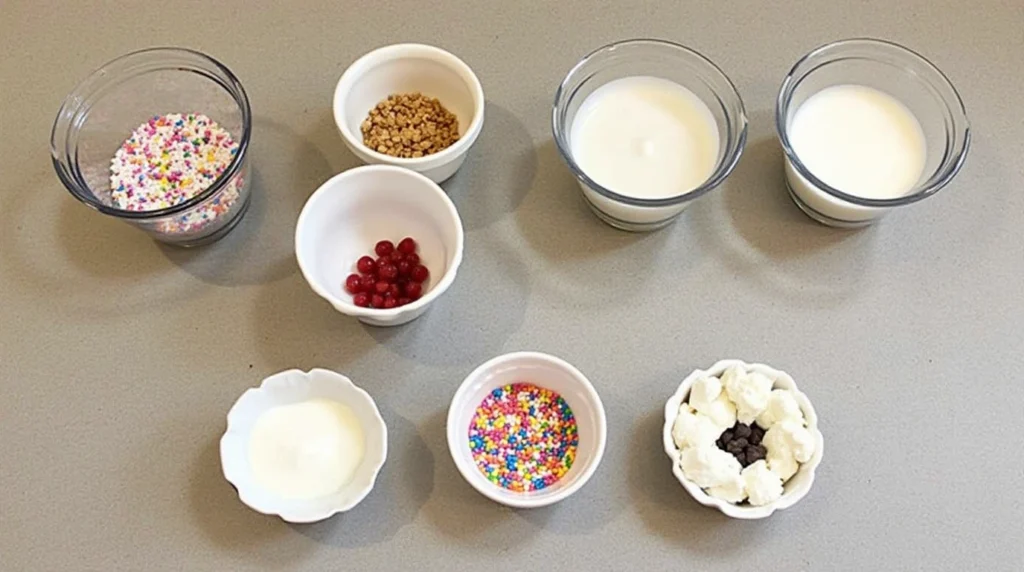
(228, 523)
(575, 250)
(759, 232)
(497, 173)
(665, 507)
(462, 514)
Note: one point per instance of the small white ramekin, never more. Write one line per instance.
(794, 489)
(350, 213)
(543, 371)
(295, 386)
(409, 68)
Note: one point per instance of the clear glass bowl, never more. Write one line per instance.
(899, 72)
(664, 60)
(102, 112)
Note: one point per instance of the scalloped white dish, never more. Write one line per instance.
(793, 490)
(295, 386)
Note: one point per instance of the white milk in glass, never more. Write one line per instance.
(858, 140)
(645, 138)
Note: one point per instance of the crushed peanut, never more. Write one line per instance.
(409, 125)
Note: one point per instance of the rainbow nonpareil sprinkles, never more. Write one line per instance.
(167, 161)
(523, 437)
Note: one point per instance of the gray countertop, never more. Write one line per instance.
(119, 358)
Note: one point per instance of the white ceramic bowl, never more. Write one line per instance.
(294, 386)
(544, 371)
(350, 213)
(794, 489)
(408, 68)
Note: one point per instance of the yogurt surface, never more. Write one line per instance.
(306, 450)
(859, 140)
(645, 137)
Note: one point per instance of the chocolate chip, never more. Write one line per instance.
(755, 453)
(756, 434)
(743, 442)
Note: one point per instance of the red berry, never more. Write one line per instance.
(381, 287)
(384, 248)
(388, 272)
(396, 257)
(413, 259)
(390, 303)
(361, 300)
(407, 245)
(377, 301)
(414, 290)
(404, 268)
(403, 301)
(353, 284)
(419, 273)
(366, 265)
(367, 283)
(394, 291)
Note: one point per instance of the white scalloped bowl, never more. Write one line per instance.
(295, 386)
(794, 489)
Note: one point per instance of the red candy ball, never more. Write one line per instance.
(404, 268)
(413, 290)
(353, 284)
(407, 245)
(366, 265)
(419, 273)
(393, 279)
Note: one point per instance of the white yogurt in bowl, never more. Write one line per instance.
(867, 126)
(646, 127)
(645, 137)
(303, 445)
(306, 450)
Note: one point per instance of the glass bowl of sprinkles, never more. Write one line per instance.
(526, 429)
(158, 138)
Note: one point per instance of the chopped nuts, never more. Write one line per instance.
(409, 125)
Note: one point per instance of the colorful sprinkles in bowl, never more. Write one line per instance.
(170, 159)
(523, 437)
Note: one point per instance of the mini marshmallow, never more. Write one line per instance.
(782, 406)
(763, 486)
(748, 391)
(694, 429)
(708, 466)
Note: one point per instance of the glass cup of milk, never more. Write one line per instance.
(867, 126)
(647, 126)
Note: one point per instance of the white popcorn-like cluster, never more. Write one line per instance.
(715, 405)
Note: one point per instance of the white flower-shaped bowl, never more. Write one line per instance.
(794, 489)
(295, 386)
